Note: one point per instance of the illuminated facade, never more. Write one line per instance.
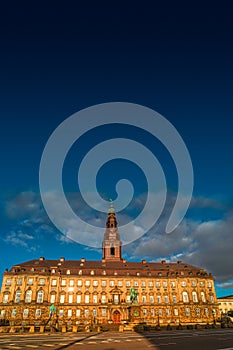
(98, 292)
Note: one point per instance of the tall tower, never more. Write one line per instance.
(111, 246)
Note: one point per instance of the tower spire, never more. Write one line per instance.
(111, 246)
(111, 209)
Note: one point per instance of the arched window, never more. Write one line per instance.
(203, 297)
(28, 296)
(185, 297)
(194, 295)
(17, 296)
(5, 298)
(52, 298)
(40, 296)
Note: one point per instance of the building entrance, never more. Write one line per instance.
(116, 317)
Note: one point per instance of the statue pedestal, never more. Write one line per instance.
(134, 313)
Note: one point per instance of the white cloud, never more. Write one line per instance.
(20, 239)
(226, 285)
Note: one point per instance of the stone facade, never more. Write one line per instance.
(225, 304)
(99, 292)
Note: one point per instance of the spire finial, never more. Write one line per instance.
(111, 209)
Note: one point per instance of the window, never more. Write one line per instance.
(127, 283)
(87, 298)
(41, 282)
(52, 298)
(28, 296)
(68, 272)
(86, 312)
(78, 312)
(160, 312)
(17, 296)
(79, 298)
(112, 251)
(104, 312)
(174, 298)
(150, 284)
(203, 297)
(151, 299)
(19, 282)
(167, 312)
(194, 295)
(25, 313)
(198, 312)
(5, 298)
(40, 296)
(185, 297)
(62, 298)
(103, 283)
(173, 284)
(212, 299)
(103, 299)
(135, 283)
(63, 282)
(80, 272)
(94, 312)
(38, 313)
(144, 312)
(209, 284)
(53, 271)
(143, 299)
(71, 283)
(120, 284)
(193, 283)
(8, 281)
(165, 284)
(158, 298)
(157, 284)
(61, 313)
(69, 313)
(143, 284)
(92, 272)
(166, 299)
(152, 312)
(187, 311)
(176, 312)
(95, 299)
(70, 298)
(54, 282)
(183, 283)
(79, 283)
(116, 298)
(13, 313)
(95, 283)
(111, 283)
(206, 311)
(30, 281)
(3, 313)
(87, 283)
(201, 284)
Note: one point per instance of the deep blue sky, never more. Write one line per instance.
(57, 59)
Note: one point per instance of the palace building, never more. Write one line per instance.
(72, 293)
